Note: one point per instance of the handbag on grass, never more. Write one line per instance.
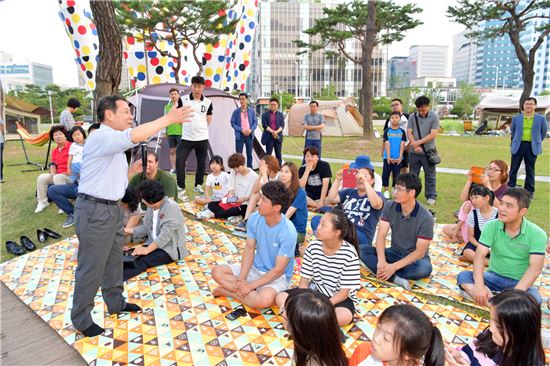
(431, 153)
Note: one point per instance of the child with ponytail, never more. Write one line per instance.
(403, 336)
(330, 265)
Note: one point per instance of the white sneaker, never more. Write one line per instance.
(402, 282)
(41, 207)
(430, 201)
(198, 189)
(172, 171)
(205, 215)
(60, 211)
(387, 195)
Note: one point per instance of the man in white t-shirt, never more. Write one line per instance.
(195, 134)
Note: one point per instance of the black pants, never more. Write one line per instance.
(526, 154)
(157, 257)
(220, 213)
(393, 169)
(182, 153)
(2, 161)
(277, 145)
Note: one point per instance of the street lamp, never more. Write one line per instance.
(50, 93)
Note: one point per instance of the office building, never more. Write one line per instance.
(430, 60)
(401, 70)
(277, 67)
(15, 74)
(464, 59)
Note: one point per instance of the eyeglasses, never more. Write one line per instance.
(490, 169)
(395, 189)
(395, 104)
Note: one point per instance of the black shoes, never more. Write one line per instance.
(14, 248)
(52, 234)
(44, 234)
(27, 244)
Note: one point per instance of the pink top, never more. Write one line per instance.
(463, 216)
(245, 125)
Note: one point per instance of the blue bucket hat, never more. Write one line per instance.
(362, 161)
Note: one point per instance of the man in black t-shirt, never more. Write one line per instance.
(315, 178)
(397, 106)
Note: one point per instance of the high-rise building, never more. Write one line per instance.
(430, 60)
(15, 74)
(401, 70)
(497, 65)
(277, 67)
(464, 59)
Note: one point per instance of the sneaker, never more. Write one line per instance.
(430, 201)
(172, 171)
(205, 215)
(402, 282)
(198, 189)
(41, 207)
(69, 221)
(241, 226)
(182, 195)
(233, 220)
(387, 195)
(60, 211)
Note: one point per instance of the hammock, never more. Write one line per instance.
(39, 140)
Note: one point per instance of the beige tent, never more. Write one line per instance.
(342, 118)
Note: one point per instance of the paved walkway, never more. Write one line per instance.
(538, 178)
(28, 340)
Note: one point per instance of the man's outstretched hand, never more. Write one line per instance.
(181, 115)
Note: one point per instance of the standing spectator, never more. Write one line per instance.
(362, 205)
(397, 106)
(152, 172)
(528, 131)
(314, 123)
(412, 230)
(173, 132)
(394, 151)
(195, 134)
(428, 122)
(66, 117)
(315, 178)
(517, 252)
(57, 169)
(244, 122)
(165, 228)
(268, 257)
(2, 142)
(273, 123)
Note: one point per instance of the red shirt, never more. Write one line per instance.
(60, 156)
(273, 120)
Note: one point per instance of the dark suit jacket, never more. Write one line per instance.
(538, 133)
(280, 119)
(236, 122)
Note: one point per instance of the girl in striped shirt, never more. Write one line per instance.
(331, 265)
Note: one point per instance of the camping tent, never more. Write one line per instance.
(150, 101)
(497, 110)
(341, 118)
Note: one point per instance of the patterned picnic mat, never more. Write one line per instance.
(181, 322)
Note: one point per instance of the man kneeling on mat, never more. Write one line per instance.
(164, 226)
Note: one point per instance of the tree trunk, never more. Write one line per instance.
(527, 62)
(109, 66)
(366, 64)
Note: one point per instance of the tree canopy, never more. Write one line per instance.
(388, 23)
(181, 23)
(512, 18)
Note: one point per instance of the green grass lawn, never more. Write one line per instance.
(17, 194)
(455, 151)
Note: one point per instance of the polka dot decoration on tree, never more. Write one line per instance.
(78, 22)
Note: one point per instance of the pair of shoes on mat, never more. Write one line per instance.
(26, 246)
(44, 234)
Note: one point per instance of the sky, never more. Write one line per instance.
(41, 36)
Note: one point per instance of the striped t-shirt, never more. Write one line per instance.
(330, 274)
(481, 220)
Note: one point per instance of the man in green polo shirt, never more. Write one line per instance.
(173, 131)
(154, 173)
(517, 249)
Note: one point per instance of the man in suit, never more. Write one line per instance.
(528, 131)
(273, 123)
(244, 122)
(165, 227)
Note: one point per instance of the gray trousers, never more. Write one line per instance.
(417, 161)
(100, 234)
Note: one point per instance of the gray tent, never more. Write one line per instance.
(150, 102)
